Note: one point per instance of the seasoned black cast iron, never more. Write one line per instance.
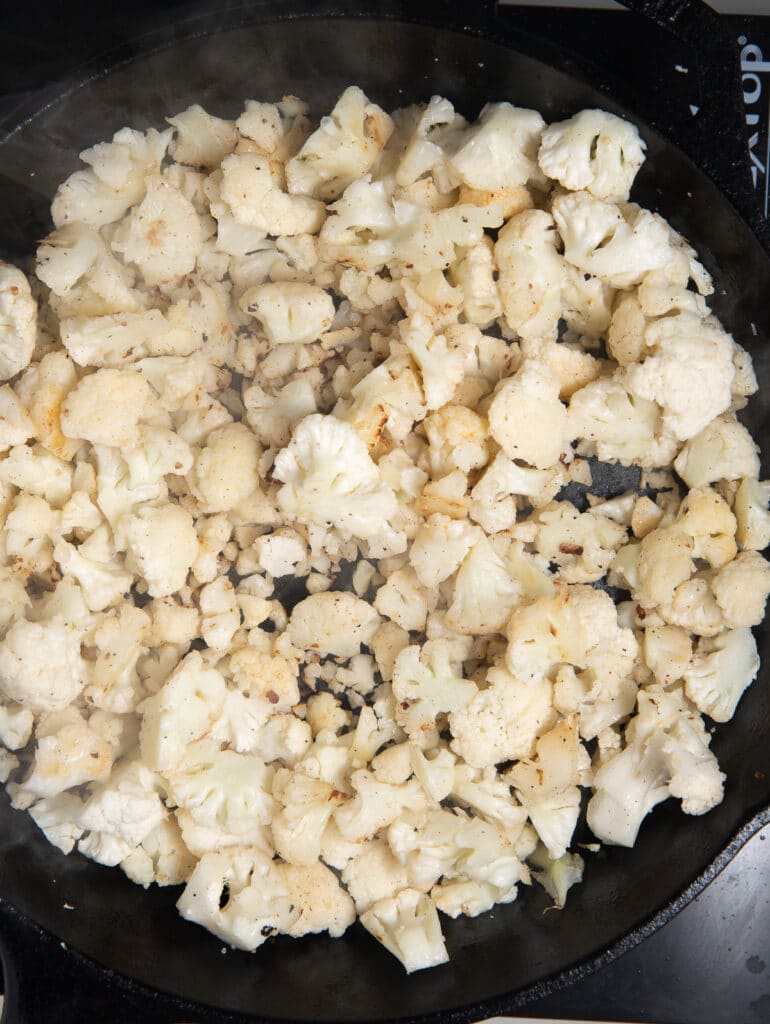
(218, 58)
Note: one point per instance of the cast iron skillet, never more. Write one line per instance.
(500, 960)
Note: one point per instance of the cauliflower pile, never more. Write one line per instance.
(296, 612)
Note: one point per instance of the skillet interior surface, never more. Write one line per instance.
(138, 933)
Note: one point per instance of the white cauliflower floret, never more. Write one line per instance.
(547, 786)
(490, 797)
(280, 552)
(305, 807)
(183, 710)
(16, 724)
(120, 813)
(707, 518)
(222, 789)
(484, 593)
(751, 513)
(201, 140)
(582, 544)
(68, 753)
(617, 245)
(500, 150)
(161, 857)
(375, 805)
(531, 274)
(503, 721)
(407, 925)
(593, 150)
(373, 875)
(220, 614)
(579, 626)
(121, 639)
(272, 417)
(107, 406)
(476, 275)
(238, 894)
(114, 181)
(426, 684)
(57, 818)
(16, 425)
(458, 439)
(40, 664)
(42, 389)
(615, 425)
(162, 545)
(557, 876)
(493, 503)
(329, 478)
(343, 148)
(723, 450)
(226, 470)
(291, 313)
(667, 753)
(741, 588)
(665, 559)
(333, 622)
(720, 672)
(38, 472)
(18, 321)
(442, 358)
(687, 356)
(257, 201)
(102, 578)
(316, 893)
(162, 235)
(530, 396)
(667, 652)
(440, 546)
(117, 339)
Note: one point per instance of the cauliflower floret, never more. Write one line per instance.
(41, 389)
(617, 245)
(407, 925)
(531, 274)
(556, 876)
(68, 753)
(476, 275)
(500, 150)
(240, 895)
(720, 672)
(687, 356)
(375, 805)
(323, 904)
(116, 339)
(16, 425)
(222, 789)
(39, 473)
(120, 813)
(226, 470)
(57, 818)
(162, 546)
(18, 321)
(329, 478)
(256, 200)
(333, 622)
(503, 721)
(374, 875)
(121, 639)
(306, 806)
(114, 181)
(161, 857)
(201, 140)
(615, 425)
(530, 396)
(16, 724)
(582, 544)
(707, 518)
(442, 358)
(107, 406)
(493, 503)
(741, 588)
(291, 313)
(281, 552)
(484, 592)
(440, 546)
(593, 150)
(40, 664)
(458, 440)
(162, 235)
(723, 450)
(426, 684)
(667, 652)
(273, 417)
(220, 614)
(100, 576)
(343, 148)
(751, 513)
(547, 786)
(665, 559)
(183, 710)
